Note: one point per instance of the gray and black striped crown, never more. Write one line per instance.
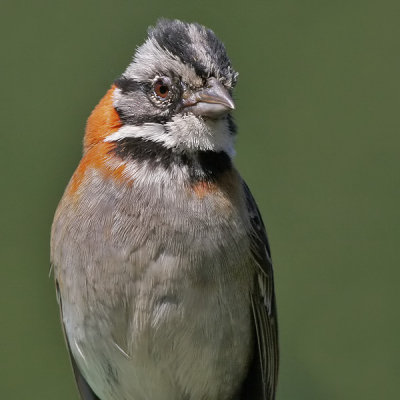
(195, 45)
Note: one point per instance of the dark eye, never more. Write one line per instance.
(162, 87)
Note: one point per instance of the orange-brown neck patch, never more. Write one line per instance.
(202, 188)
(103, 121)
(226, 185)
(98, 157)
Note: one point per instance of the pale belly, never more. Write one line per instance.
(169, 338)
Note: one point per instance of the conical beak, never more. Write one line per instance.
(212, 101)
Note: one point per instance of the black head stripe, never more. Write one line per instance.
(175, 37)
(218, 52)
(201, 165)
(127, 85)
(129, 118)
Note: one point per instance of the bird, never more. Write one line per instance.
(161, 261)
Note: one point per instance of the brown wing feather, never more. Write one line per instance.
(263, 374)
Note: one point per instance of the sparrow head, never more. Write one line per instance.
(178, 90)
(169, 111)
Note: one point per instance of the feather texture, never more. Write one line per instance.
(264, 372)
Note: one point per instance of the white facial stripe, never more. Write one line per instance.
(149, 131)
(183, 131)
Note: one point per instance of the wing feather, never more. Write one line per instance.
(263, 374)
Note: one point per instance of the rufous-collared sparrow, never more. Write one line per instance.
(161, 260)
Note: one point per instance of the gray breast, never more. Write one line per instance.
(155, 286)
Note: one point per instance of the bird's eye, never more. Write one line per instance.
(162, 87)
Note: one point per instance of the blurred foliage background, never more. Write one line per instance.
(318, 115)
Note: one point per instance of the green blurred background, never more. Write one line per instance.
(318, 115)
